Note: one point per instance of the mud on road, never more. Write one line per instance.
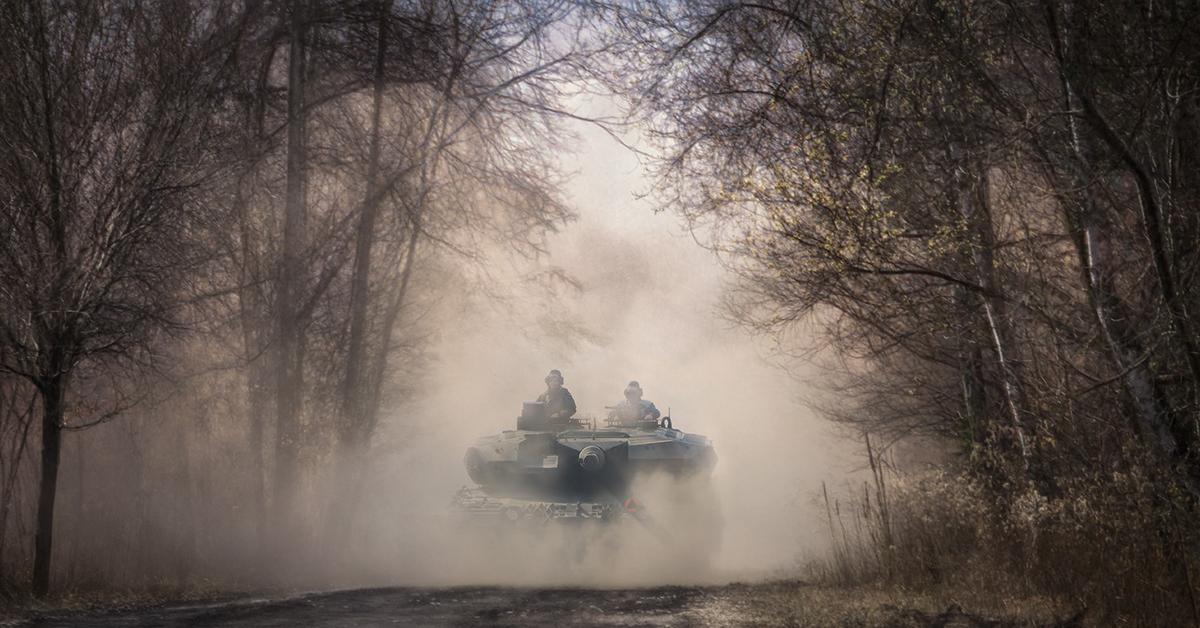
(766, 604)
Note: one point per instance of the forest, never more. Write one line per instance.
(231, 228)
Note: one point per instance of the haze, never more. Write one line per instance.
(646, 308)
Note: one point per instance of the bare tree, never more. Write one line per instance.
(105, 139)
(445, 162)
(986, 208)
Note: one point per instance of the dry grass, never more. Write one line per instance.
(1114, 546)
(879, 604)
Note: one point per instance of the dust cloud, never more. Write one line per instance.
(645, 307)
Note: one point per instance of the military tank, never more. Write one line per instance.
(574, 470)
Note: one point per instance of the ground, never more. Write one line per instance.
(783, 603)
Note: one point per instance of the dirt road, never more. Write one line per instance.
(768, 604)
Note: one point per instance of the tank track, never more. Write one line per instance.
(472, 505)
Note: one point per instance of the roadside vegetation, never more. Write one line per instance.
(981, 217)
(227, 228)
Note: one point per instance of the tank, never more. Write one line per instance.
(576, 470)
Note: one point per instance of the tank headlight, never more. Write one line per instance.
(591, 458)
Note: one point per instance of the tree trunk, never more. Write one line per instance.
(997, 322)
(52, 415)
(288, 369)
(1152, 419)
(251, 317)
(971, 378)
(374, 381)
(1152, 225)
(354, 392)
(379, 366)
(977, 211)
(52, 386)
(1158, 426)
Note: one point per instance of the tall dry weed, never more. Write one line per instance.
(1114, 543)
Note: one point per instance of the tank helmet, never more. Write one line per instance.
(634, 389)
(554, 374)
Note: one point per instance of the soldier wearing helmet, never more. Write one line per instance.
(560, 405)
(634, 408)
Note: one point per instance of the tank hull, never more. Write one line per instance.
(582, 465)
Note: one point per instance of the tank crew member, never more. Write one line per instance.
(634, 408)
(560, 405)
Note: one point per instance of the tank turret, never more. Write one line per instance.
(575, 460)
(572, 469)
